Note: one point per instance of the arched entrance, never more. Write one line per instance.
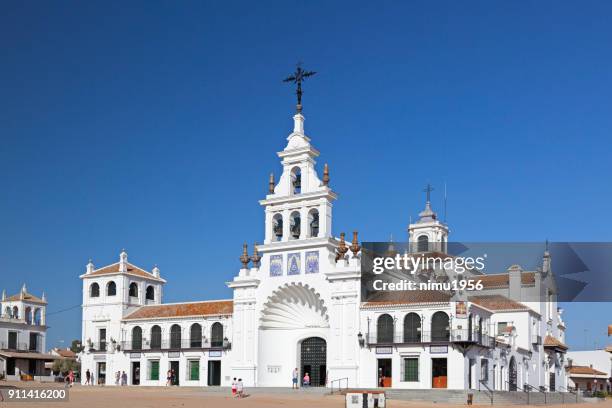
(313, 360)
(512, 376)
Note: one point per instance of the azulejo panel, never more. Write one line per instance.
(276, 265)
(293, 263)
(312, 262)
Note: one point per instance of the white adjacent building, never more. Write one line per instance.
(297, 304)
(23, 332)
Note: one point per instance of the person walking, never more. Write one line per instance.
(173, 377)
(70, 378)
(240, 388)
(123, 378)
(87, 377)
(169, 378)
(294, 379)
(234, 387)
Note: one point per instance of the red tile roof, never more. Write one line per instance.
(64, 353)
(406, 297)
(131, 270)
(584, 370)
(550, 341)
(497, 303)
(207, 308)
(27, 297)
(503, 280)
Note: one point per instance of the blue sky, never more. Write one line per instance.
(154, 125)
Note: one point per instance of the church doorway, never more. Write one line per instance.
(313, 360)
(174, 366)
(384, 372)
(214, 372)
(439, 373)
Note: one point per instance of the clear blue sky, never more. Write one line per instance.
(154, 125)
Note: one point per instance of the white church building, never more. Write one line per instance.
(297, 304)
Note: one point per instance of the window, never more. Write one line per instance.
(154, 370)
(296, 181)
(102, 338)
(501, 327)
(412, 328)
(195, 335)
(384, 329)
(277, 227)
(175, 336)
(194, 370)
(423, 243)
(216, 335)
(156, 338)
(411, 369)
(137, 338)
(94, 290)
(150, 293)
(111, 289)
(28, 315)
(133, 290)
(484, 370)
(295, 226)
(33, 342)
(313, 223)
(37, 317)
(439, 327)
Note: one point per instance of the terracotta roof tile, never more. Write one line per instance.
(550, 341)
(503, 279)
(131, 270)
(208, 308)
(407, 297)
(609, 348)
(65, 353)
(584, 370)
(27, 296)
(497, 303)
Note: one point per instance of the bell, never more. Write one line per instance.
(295, 227)
(314, 225)
(297, 182)
(278, 228)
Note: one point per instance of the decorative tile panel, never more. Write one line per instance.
(294, 263)
(312, 262)
(276, 265)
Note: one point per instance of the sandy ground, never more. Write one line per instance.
(145, 397)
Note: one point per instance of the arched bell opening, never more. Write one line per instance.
(313, 223)
(295, 225)
(277, 227)
(296, 180)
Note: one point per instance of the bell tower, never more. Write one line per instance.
(299, 206)
(428, 233)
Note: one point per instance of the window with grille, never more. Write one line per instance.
(411, 370)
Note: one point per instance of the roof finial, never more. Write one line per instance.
(123, 260)
(297, 78)
(255, 258)
(3, 295)
(89, 268)
(155, 271)
(355, 244)
(342, 248)
(244, 258)
(44, 296)
(326, 175)
(428, 189)
(271, 184)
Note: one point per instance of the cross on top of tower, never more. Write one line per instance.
(428, 189)
(297, 78)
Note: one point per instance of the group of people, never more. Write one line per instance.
(170, 377)
(121, 378)
(294, 379)
(237, 388)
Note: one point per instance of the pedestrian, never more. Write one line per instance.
(173, 377)
(234, 387)
(294, 379)
(87, 377)
(240, 388)
(70, 378)
(169, 378)
(306, 380)
(123, 378)
(117, 377)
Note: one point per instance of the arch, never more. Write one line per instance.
(195, 335)
(37, 316)
(111, 288)
(94, 290)
(133, 291)
(7, 312)
(277, 226)
(423, 243)
(412, 328)
(384, 329)
(150, 294)
(313, 223)
(137, 338)
(512, 375)
(296, 180)
(28, 315)
(15, 312)
(439, 327)
(295, 225)
(294, 306)
(313, 360)
(175, 336)
(216, 335)
(156, 337)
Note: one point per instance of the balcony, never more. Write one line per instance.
(462, 336)
(12, 346)
(175, 345)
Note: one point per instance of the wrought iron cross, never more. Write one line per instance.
(428, 189)
(297, 77)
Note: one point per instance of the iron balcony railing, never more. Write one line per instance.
(12, 346)
(175, 344)
(449, 336)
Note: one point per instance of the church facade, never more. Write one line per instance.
(297, 305)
